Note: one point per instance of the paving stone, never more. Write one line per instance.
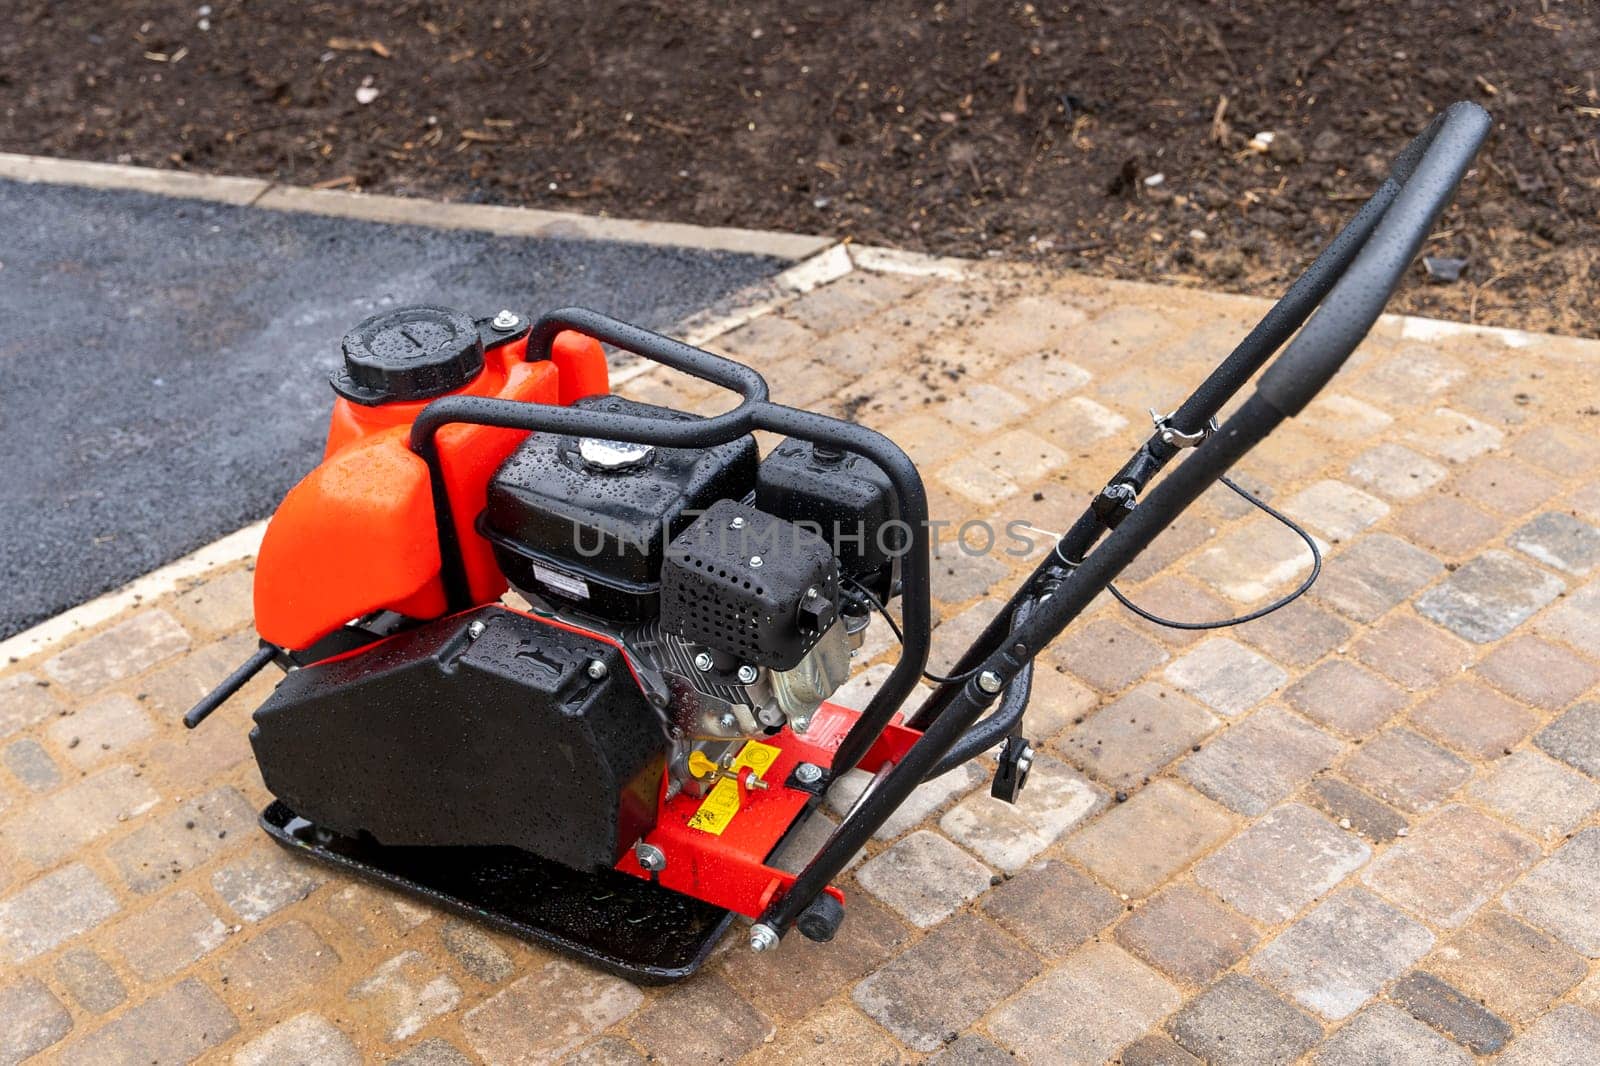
(1010, 835)
(1385, 1035)
(1052, 907)
(1079, 422)
(1337, 957)
(959, 576)
(31, 1019)
(404, 993)
(1277, 866)
(1558, 894)
(476, 951)
(1451, 865)
(91, 982)
(24, 700)
(1402, 768)
(1374, 820)
(1095, 1002)
(1187, 934)
(1504, 486)
(168, 935)
(1453, 435)
(839, 1035)
(1538, 672)
(1155, 1050)
(218, 605)
(1474, 719)
(700, 1021)
(160, 851)
(31, 764)
(914, 998)
(1135, 736)
(1252, 561)
(1240, 1022)
(542, 1016)
(64, 821)
(304, 1040)
(278, 966)
(1446, 1009)
(1058, 699)
(783, 984)
(118, 653)
(264, 882)
(1335, 510)
(1345, 417)
(1558, 450)
(172, 689)
(1226, 676)
(1297, 635)
(1396, 471)
(1137, 845)
(1538, 794)
(954, 635)
(1487, 598)
(924, 877)
(983, 408)
(1567, 1036)
(1108, 655)
(371, 917)
(53, 909)
(1049, 373)
(1576, 619)
(1412, 652)
(1181, 599)
(91, 733)
(1374, 574)
(1574, 738)
(1344, 696)
(928, 797)
(175, 1026)
(607, 1051)
(973, 1050)
(1260, 760)
(1446, 525)
(1561, 541)
(1511, 968)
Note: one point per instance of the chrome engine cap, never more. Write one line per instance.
(613, 454)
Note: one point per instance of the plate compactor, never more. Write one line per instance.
(609, 771)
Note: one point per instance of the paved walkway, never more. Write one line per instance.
(1362, 831)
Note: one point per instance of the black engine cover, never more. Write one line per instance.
(434, 737)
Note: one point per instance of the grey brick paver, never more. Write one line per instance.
(547, 1013)
(1561, 541)
(1133, 737)
(924, 877)
(1574, 738)
(90, 981)
(1451, 865)
(176, 1026)
(304, 1040)
(1052, 907)
(1402, 768)
(165, 937)
(700, 1021)
(1241, 1022)
(125, 649)
(1010, 835)
(1489, 597)
(1343, 696)
(278, 966)
(1538, 794)
(1226, 676)
(1137, 845)
(1281, 863)
(31, 1019)
(1186, 934)
(404, 993)
(1537, 672)
(1559, 894)
(1384, 1035)
(55, 908)
(1260, 760)
(1567, 1036)
(1448, 1010)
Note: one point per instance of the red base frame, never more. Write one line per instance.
(730, 870)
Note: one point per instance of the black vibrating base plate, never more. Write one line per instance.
(618, 923)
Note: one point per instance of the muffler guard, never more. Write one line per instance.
(486, 728)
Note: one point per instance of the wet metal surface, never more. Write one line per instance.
(164, 363)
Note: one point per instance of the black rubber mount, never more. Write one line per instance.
(410, 353)
(821, 919)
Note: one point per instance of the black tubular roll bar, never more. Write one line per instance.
(1332, 305)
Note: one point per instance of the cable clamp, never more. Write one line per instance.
(1173, 437)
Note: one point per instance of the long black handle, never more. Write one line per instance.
(232, 683)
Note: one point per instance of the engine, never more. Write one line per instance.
(737, 586)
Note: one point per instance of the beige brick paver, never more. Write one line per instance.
(1364, 829)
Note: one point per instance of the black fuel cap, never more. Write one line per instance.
(410, 353)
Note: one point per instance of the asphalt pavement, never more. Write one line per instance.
(164, 362)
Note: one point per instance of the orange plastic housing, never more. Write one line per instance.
(357, 534)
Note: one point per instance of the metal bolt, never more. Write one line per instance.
(475, 630)
(728, 721)
(808, 773)
(650, 857)
(1025, 760)
(596, 669)
(748, 674)
(990, 682)
(800, 723)
(755, 562)
(505, 321)
(763, 937)
(737, 522)
(702, 662)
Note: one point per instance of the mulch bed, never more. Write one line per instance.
(1113, 137)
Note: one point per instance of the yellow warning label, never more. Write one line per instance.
(722, 802)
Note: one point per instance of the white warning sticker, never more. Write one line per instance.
(560, 581)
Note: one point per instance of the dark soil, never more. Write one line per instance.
(965, 128)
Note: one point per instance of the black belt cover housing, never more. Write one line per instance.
(435, 738)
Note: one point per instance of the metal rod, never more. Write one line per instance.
(232, 683)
